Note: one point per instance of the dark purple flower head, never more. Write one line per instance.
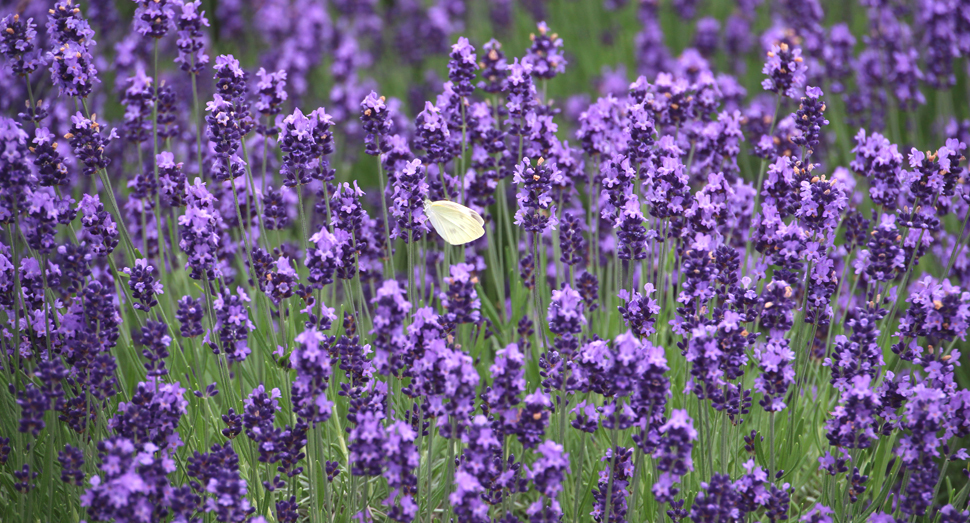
(72, 461)
(72, 69)
(462, 66)
(89, 142)
(545, 54)
(432, 135)
(938, 311)
(232, 324)
(639, 310)
(153, 18)
(717, 502)
(374, 117)
(155, 340)
(521, 97)
(297, 141)
(548, 473)
(271, 88)
(777, 373)
(407, 202)
(65, 23)
(853, 423)
(311, 360)
(880, 161)
(17, 44)
(401, 460)
(144, 287)
(493, 66)
(883, 259)
(821, 205)
(366, 443)
(809, 119)
(535, 195)
(785, 69)
(460, 299)
(191, 36)
(508, 383)
(151, 419)
(619, 470)
(50, 165)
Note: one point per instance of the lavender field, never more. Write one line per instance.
(327, 261)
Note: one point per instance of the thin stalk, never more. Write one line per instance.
(609, 485)
(389, 261)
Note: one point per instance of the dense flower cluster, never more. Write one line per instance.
(696, 248)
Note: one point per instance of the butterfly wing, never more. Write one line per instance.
(455, 223)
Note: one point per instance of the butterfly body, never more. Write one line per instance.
(455, 223)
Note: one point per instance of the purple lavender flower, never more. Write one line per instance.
(638, 310)
(88, 143)
(533, 419)
(860, 354)
(271, 88)
(133, 481)
(852, 424)
(462, 66)
(155, 340)
(407, 202)
(937, 311)
(706, 35)
(312, 363)
(460, 300)
(618, 473)
(191, 36)
(548, 473)
(809, 119)
(880, 161)
(718, 501)
(139, 99)
(390, 310)
(199, 232)
(17, 44)
(144, 287)
(153, 18)
(171, 179)
(545, 54)
(232, 324)
(534, 195)
(785, 69)
(837, 56)
(883, 259)
(777, 373)
(374, 117)
(494, 67)
(401, 460)
(24, 479)
(72, 461)
(508, 383)
(366, 443)
(72, 69)
(433, 136)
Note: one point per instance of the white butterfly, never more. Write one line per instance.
(455, 223)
